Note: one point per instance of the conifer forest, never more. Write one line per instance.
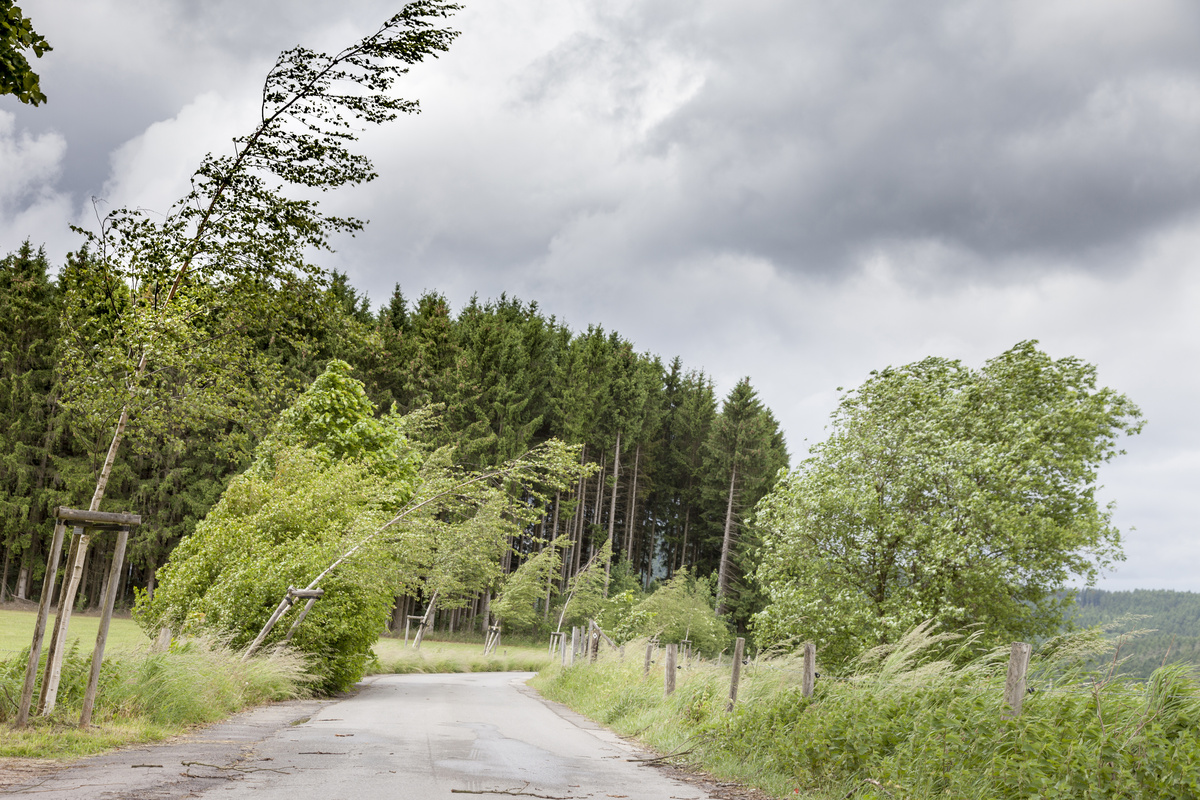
(674, 466)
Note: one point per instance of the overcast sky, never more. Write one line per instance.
(796, 190)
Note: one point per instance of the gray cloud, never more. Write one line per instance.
(801, 191)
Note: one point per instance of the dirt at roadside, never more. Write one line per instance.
(714, 786)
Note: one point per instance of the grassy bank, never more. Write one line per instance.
(143, 696)
(912, 723)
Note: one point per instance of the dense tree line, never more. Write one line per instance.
(1153, 626)
(673, 468)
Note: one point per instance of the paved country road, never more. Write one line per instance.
(402, 737)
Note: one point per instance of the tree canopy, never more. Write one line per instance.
(321, 503)
(963, 496)
(16, 36)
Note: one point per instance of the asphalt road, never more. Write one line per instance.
(402, 737)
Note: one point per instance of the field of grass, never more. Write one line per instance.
(16, 630)
(394, 657)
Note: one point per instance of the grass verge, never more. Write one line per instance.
(143, 696)
(917, 721)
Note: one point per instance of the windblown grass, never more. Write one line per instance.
(920, 719)
(144, 696)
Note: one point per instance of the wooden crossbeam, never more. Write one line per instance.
(97, 520)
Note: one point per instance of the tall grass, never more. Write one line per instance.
(145, 695)
(920, 719)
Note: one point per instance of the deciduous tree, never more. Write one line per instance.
(963, 496)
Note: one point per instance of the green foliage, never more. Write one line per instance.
(29, 427)
(344, 500)
(296, 511)
(585, 596)
(1169, 623)
(743, 455)
(269, 532)
(16, 35)
(683, 608)
(944, 493)
(516, 607)
(917, 720)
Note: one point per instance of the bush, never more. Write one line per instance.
(271, 532)
(329, 474)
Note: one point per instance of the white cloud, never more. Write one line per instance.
(153, 169)
(30, 205)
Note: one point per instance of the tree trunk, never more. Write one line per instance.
(612, 511)
(631, 506)
(7, 563)
(726, 546)
(687, 514)
(549, 574)
(579, 517)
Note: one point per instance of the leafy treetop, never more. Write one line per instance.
(962, 496)
(16, 75)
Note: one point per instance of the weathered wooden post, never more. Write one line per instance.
(1014, 684)
(810, 669)
(593, 641)
(669, 677)
(39, 628)
(62, 618)
(428, 620)
(739, 649)
(110, 597)
(574, 644)
(649, 653)
(313, 596)
(85, 521)
(286, 603)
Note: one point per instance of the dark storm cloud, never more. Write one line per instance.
(823, 129)
(118, 67)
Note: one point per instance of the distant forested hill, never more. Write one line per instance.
(1173, 616)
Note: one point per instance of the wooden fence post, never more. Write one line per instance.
(739, 649)
(574, 644)
(669, 677)
(1014, 684)
(110, 597)
(649, 653)
(810, 668)
(39, 629)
